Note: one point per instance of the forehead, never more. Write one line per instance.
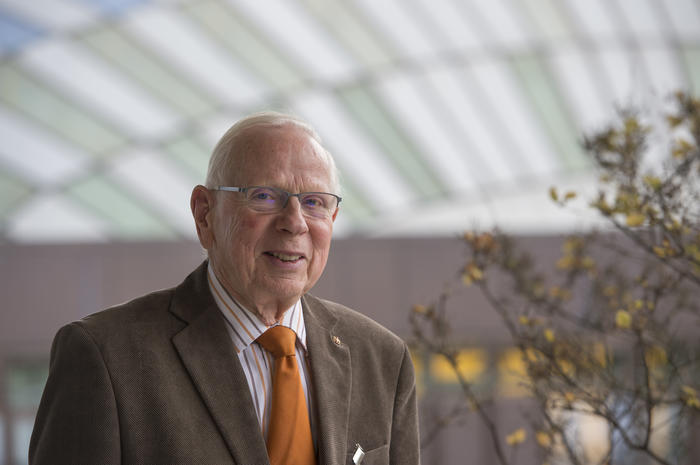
(285, 156)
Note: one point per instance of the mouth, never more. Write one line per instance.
(287, 257)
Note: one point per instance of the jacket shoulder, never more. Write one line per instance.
(136, 309)
(355, 325)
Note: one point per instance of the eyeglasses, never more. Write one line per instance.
(271, 199)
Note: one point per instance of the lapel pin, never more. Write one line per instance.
(359, 455)
(336, 340)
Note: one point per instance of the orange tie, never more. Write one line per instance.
(289, 435)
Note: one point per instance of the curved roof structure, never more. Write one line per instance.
(442, 114)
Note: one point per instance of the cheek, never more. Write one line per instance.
(243, 235)
(321, 237)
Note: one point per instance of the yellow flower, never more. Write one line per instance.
(420, 309)
(472, 273)
(609, 291)
(523, 320)
(673, 120)
(599, 354)
(553, 194)
(690, 396)
(549, 335)
(466, 279)
(565, 262)
(655, 357)
(516, 437)
(635, 219)
(587, 262)
(475, 272)
(688, 391)
(653, 182)
(659, 251)
(623, 319)
(543, 439)
(565, 366)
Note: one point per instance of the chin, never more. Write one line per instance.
(287, 291)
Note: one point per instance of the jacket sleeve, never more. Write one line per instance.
(77, 420)
(405, 444)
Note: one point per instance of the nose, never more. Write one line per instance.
(291, 219)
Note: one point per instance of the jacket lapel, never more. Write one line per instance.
(331, 375)
(208, 355)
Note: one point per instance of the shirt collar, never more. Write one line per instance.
(243, 325)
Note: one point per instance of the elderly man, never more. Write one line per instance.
(238, 364)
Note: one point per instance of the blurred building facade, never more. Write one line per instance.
(45, 287)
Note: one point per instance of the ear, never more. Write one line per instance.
(202, 206)
(335, 213)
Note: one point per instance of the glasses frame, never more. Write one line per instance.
(288, 194)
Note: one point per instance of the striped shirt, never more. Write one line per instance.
(258, 364)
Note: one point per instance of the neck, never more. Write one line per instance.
(268, 316)
(268, 309)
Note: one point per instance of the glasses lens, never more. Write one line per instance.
(265, 198)
(318, 204)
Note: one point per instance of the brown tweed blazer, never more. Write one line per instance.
(157, 381)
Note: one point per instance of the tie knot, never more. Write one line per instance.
(278, 340)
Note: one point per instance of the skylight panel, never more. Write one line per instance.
(54, 15)
(504, 22)
(495, 80)
(145, 67)
(212, 128)
(355, 207)
(692, 62)
(448, 23)
(356, 156)
(15, 33)
(115, 7)
(192, 154)
(409, 98)
(685, 16)
(194, 54)
(86, 78)
(546, 101)
(483, 150)
(20, 90)
(643, 18)
(579, 81)
(549, 22)
(374, 117)
(595, 19)
(621, 70)
(405, 31)
(451, 25)
(301, 37)
(35, 155)
(54, 218)
(265, 60)
(343, 20)
(170, 196)
(12, 192)
(126, 216)
(663, 67)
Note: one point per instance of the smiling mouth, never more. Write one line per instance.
(284, 257)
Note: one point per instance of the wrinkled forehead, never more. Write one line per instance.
(264, 151)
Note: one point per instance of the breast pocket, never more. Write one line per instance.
(376, 456)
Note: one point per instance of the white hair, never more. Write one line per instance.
(224, 156)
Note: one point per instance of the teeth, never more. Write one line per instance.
(285, 257)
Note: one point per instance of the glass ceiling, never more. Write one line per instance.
(442, 114)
